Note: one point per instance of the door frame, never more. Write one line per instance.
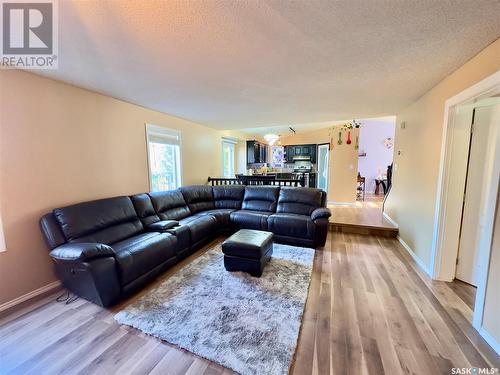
(446, 232)
(327, 165)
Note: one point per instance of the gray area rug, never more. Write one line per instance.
(247, 324)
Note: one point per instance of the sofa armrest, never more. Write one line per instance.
(81, 251)
(183, 235)
(321, 212)
(161, 226)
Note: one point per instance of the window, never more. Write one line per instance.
(163, 157)
(228, 157)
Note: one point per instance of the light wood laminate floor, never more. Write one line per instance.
(364, 217)
(369, 311)
(368, 212)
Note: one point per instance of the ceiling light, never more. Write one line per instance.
(271, 138)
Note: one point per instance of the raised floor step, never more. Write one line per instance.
(361, 219)
(364, 229)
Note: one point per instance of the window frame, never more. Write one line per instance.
(160, 131)
(232, 143)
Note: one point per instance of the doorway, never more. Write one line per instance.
(450, 224)
(323, 158)
(375, 155)
(481, 128)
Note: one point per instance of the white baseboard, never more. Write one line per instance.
(351, 204)
(390, 220)
(16, 301)
(490, 340)
(415, 257)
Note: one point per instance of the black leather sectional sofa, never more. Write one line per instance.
(106, 249)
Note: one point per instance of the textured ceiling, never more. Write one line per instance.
(246, 64)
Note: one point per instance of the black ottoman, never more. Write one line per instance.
(248, 250)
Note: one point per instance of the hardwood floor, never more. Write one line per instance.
(465, 291)
(365, 217)
(369, 311)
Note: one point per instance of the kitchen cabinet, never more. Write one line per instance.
(289, 154)
(256, 152)
(312, 179)
(314, 149)
(300, 150)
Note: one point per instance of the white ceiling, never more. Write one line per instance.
(235, 64)
(284, 130)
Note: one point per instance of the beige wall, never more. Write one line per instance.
(343, 162)
(412, 200)
(491, 312)
(60, 144)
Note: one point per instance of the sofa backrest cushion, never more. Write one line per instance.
(198, 198)
(51, 231)
(169, 205)
(323, 198)
(228, 196)
(104, 221)
(260, 198)
(302, 201)
(144, 208)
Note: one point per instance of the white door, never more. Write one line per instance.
(323, 156)
(472, 216)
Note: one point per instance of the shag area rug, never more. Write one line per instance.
(247, 324)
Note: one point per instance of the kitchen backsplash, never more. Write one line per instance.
(288, 168)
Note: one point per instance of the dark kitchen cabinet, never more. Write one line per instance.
(256, 152)
(312, 180)
(300, 150)
(262, 153)
(289, 153)
(314, 149)
(305, 151)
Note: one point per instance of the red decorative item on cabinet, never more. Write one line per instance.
(349, 137)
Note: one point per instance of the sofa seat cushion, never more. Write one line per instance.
(249, 219)
(141, 253)
(200, 227)
(292, 225)
(221, 215)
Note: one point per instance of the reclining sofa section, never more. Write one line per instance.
(105, 249)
